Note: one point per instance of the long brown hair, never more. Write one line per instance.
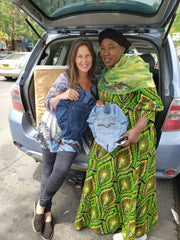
(72, 71)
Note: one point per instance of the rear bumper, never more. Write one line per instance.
(22, 134)
(10, 73)
(79, 164)
(167, 155)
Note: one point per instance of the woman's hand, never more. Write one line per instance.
(133, 137)
(100, 102)
(133, 133)
(70, 94)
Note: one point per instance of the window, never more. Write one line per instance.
(57, 8)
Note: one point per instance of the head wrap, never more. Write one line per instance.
(115, 36)
(130, 74)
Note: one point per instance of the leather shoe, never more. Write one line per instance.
(48, 231)
(38, 220)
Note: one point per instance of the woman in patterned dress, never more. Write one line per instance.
(119, 193)
(58, 154)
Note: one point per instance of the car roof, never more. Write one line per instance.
(53, 15)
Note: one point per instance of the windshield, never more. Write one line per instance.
(59, 8)
(16, 56)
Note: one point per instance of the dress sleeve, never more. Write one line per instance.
(59, 86)
(149, 103)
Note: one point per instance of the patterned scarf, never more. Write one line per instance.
(129, 74)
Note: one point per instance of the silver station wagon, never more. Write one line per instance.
(146, 24)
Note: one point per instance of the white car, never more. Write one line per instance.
(11, 66)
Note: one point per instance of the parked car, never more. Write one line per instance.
(4, 54)
(143, 23)
(11, 66)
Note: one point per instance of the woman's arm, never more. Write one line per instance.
(59, 90)
(133, 133)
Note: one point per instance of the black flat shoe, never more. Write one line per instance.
(48, 231)
(38, 220)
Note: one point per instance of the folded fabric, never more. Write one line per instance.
(108, 124)
(72, 115)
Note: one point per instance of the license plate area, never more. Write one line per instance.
(5, 65)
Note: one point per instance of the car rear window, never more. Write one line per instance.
(15, 56)
(56, 54)
(57, 8)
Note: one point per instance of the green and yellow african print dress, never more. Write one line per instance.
(120, 187)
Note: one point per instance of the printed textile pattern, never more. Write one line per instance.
(130, 74)
(120, 187)
(49, 134)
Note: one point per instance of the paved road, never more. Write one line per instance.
(20, 184)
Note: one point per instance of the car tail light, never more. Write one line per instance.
(170, 172)
(17, 144)
(16, 98)
(173, 118)
(156, 65)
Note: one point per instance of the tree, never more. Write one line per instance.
(176, 24)
(12, 23)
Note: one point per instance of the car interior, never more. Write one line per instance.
(55, 57)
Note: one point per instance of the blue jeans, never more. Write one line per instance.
(72, 115)
(108, 124)
(55, 169)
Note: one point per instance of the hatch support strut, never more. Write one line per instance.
(168, 30)
(42, 40)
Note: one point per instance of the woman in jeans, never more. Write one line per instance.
(119, 193)
(59, 154)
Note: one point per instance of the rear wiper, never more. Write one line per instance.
(42, 40)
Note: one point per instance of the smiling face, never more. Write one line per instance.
(111, 52)
(83, 59)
